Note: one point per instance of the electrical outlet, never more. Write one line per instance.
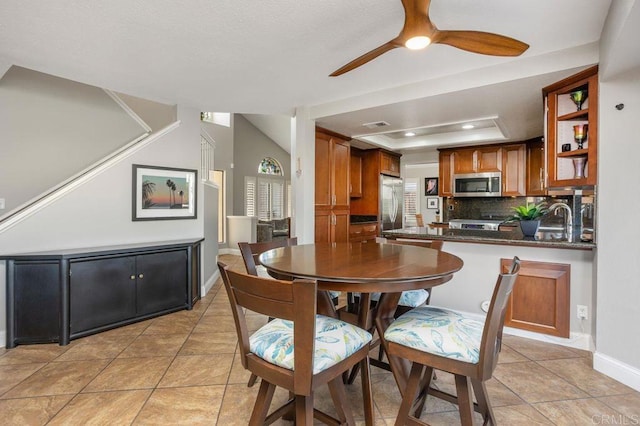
(485, 305)
(582, 312)
(451, 208)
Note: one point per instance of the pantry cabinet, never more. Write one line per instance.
(332, 187)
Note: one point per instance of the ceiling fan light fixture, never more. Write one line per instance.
(417, 42)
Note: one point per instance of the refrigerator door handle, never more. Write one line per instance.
(394, 206)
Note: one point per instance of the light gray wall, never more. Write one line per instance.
(154, 114)
(51, 129)
(98, 213)
(421, 172)
(250, 147)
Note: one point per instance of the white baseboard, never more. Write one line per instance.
(617, 370)
(204, 289)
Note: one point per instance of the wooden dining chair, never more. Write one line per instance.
(408, 300)
(251, 251)
(436, 338)
(299, 350)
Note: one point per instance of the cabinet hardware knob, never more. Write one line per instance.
(141, 276)
(133, 277)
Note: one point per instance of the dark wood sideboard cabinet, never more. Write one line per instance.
(62, 295)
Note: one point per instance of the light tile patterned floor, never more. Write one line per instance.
(184, 368)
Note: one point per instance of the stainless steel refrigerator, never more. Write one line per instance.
(391, 202)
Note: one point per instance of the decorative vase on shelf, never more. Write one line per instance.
(529, 227)
(580, 134)
(578, 97)
(579, 163)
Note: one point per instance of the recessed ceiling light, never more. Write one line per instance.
(468, 126)
(409, 134)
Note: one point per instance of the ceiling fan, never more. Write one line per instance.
(418, 32)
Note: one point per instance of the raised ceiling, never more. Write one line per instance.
(275, 57)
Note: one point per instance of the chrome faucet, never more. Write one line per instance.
(568, 221)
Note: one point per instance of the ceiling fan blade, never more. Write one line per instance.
(365, 58)
(481, 42)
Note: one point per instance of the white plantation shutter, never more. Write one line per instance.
(411, 206)
(264, 199)
(277, 199)
(249, 196)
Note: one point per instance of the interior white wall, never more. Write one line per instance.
(618, 294)
(210, 244)
(303, 148)
(618, 267)
(421, 172)
(481, 268)
(223, 160)
(154, 114)
(99, 212)
(56, 128)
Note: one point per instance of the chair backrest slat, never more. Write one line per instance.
(251, 251)
(494, 323)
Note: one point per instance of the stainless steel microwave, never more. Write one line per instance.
(477, 185)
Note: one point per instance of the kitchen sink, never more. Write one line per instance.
(551, 233)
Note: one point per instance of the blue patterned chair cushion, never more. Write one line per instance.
(438, 331)
(410, 298)
(335, 341)
(262, 273)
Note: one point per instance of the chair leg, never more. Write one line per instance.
(339, 397)
(424, 391)
(410, 393)
(480, 389)
(252, 380)
(304, 410)
(263, 401)
(465, 400)
(367, 395)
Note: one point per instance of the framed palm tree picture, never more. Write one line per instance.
(163, 193)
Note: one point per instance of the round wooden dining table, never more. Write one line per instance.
(365, 268)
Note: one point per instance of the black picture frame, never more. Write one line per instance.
(163, 193)
(432, 202)
(431, 186)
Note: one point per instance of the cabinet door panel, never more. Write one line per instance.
(446, 180)
(341, 227)
(341, 160)
(536, 168)
(323, 170)
(162, 281)
(36, 301)
(489, 159)
(514, 170)
(464, 161)
(355, 172)
(540, 298)
(102, 292)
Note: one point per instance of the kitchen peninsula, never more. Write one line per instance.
(511, 237)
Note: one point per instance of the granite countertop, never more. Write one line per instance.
(513, 237)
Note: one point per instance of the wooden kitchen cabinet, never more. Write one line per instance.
(489, 159)
(513, 170)
(332, 196)
(355, 173)
(563, 167)
(57, 297)
(478, 160)
(362, 232)
(389, 163)
(536, 160)
(540, 298)
(445, 173)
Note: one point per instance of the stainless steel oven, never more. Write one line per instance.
(477, 185)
